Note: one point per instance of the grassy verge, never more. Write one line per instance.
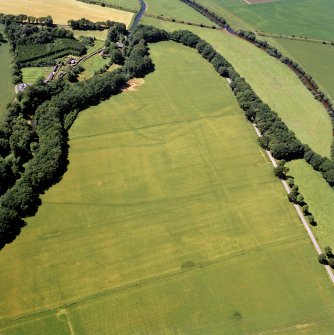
(320, 198)
(170, 219)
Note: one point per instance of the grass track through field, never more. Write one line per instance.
(139, 206)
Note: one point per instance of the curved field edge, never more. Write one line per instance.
(63, 10)
(163, 195)
(319, 196)
(273, 82)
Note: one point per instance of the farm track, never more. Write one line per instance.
(300, 213)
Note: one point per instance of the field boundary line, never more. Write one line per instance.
(294, 38)
(62, 308)
(299, 211)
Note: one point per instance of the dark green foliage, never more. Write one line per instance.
(281, 170)
(26, 34)
(322, 164)
(73, 74)
(292, 196)
(331, 262)
(305, 210)
(328, 251)
(22, 18)
(20, 138)
(117, 57)
(117, 32)
(85, 24)
(220, 21)
(149, 34)
(277, 138)
(34, 54)
(322, 259)
(311, 220)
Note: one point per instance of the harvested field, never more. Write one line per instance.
(64, 10)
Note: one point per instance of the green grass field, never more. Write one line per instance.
(274, 83)
(312, 18)
(168, 221)
(31, 74)
(320, 198)
(177, 10)
(99, 35)
(92, 65)
(6, 87)
(317, 59)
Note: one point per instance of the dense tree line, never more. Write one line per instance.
(28, 44)
(85, 24)
(276, 136)
(22, 18)
(34, 153)
(294, 196)
(305, 77)
(25, 34)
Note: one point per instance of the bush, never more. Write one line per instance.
(322, 259)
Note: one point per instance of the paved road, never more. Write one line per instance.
(300, 213)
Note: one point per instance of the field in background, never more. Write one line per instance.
(31, 74)
(274, 82)
(131, 4)
(177, 10)
(312, 18)
(316, 58)
(63, 10)
(6, 86)
(168, 203)
(320, 198)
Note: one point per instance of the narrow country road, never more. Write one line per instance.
(299, 211)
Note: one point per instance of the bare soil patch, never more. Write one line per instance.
(133, 84)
